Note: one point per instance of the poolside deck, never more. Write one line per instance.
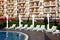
(34, 35)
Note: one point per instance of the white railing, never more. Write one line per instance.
(46, 3)
(50, 3)
(47, 10)
(10, 8)
(53, 10)
(59, 9)
(40, 10)
(10, 2)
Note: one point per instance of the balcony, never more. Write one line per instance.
(1, 8)
(50, 3)
(34, 6)
(22, 2)
(59, 9)
(10, 8)
(35, 12)
(59, 3)
(21, 13)
(10, 1)
(46, 10)
(46, 4)
(40, 9)
(2, 4)
(10, 11)
(53, 10)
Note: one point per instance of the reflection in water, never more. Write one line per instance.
(6, 35)
(11, 36)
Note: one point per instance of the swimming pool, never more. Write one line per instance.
(11, 36)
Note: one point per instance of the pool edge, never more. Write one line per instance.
(25, 38)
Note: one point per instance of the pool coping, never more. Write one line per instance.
(25, 35)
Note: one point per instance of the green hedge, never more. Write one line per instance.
(1, 23)
(26, 22)
(10, 23)
(29, 23)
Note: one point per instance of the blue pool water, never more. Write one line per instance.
(11, 36)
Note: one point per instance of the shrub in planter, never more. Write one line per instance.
(45, 21)
(2, 22)
(27, 22)
(13, 22)
(1, 25)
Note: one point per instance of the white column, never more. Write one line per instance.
(19, 20)
(48, 20)
(6, 21)
(33, 19)
(6, 36)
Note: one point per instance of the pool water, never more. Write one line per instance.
(11, 36)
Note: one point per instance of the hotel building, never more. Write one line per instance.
(26, 8)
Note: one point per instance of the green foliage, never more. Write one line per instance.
(10, 23)
(38, 23)
(29, 23)
(45, 21)
(51, 24)
(1, 23)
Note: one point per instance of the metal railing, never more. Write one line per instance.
(50, 3)
(46, 3)
(47, 10)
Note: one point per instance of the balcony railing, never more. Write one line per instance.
(40, 9)
(50, 3)
(47, 10)
(59, 3)
(59, 9)
(10, 2)
(53, 10)
(46, 3)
